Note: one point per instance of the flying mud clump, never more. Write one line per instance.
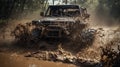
(110, 56)
(61, 55)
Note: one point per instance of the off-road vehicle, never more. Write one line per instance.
(58, 21)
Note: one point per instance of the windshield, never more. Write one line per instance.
(63, 10)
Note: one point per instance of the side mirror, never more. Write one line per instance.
(42, 14)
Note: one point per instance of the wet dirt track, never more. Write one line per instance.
(14, 60)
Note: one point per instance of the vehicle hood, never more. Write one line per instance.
(64, 19)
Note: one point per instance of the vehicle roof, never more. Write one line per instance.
(63, 5)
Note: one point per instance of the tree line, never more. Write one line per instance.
(10, 7)
(111, 7)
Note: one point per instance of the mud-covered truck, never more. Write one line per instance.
(58, 21)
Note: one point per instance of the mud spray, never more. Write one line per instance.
(104, 36)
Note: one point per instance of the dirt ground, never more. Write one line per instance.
(12, 55)
(15, 60)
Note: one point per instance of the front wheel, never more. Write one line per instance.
(36, 33)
